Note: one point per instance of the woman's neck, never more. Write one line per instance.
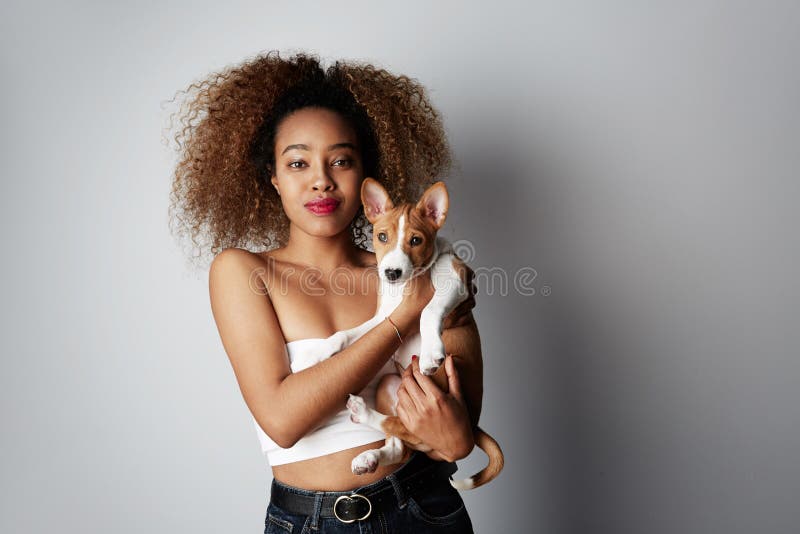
(324, 253)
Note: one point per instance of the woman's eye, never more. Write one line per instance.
(341, 162)
(292, 164)
(382, 237)
(416, 240)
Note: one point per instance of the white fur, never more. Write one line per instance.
(360, 413)
(449, 292)
(466, 484)
(368, 461)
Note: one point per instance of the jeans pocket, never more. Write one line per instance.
(275, 524)
(445, 507)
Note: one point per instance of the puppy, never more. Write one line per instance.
(406, 245)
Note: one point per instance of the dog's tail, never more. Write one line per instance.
(496, 460)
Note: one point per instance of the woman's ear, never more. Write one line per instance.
(274, 181)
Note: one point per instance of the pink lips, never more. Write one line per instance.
(322, 206)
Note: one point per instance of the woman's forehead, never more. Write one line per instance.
(315, 128)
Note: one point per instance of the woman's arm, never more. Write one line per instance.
(464, 343)
(289, 405)
(461, 339)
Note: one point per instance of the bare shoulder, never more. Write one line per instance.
(258, 268)
(243, 309)
(233, 256)
(238, 286)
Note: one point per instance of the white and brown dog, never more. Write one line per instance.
(406, 245)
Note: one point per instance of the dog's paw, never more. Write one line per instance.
(429, 365)
(429, 362)
(358, 409)
(366, 462)
(431, 355)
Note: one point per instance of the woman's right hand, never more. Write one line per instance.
(417, 293)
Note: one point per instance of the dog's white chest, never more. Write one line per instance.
(449, 291)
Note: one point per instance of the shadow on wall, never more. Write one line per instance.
(504, 203)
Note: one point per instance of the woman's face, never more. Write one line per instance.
(318, 171)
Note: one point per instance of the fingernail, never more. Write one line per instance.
(414, 357)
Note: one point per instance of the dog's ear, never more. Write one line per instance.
(434, 204)
(375, 199)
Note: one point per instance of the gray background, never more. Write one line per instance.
(641, 156)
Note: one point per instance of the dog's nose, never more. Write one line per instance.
(392, 274)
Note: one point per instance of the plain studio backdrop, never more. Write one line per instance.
(627, 183)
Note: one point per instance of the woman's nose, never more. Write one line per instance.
(322, 181)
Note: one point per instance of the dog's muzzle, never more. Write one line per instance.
(349, 509)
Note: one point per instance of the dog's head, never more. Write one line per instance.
(404, 236)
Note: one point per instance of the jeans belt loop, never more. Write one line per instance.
(398, 490)
(317, 510)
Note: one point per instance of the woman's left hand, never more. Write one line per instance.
(438, 418)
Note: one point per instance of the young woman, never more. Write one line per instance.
(273, 153)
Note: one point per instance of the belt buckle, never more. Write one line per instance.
(351, 498)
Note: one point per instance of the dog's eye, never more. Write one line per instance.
(382, 237)
(416, 240)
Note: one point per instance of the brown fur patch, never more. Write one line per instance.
(393, 426)
(415, 225)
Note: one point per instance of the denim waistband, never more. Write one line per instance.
(394, 489)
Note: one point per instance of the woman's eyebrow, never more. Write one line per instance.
(301, 146)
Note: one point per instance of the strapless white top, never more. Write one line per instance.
(337, 433)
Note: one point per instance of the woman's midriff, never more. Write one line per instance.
(331, 472)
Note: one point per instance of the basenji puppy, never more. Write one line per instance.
(406, 245)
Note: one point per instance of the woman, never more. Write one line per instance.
(275, 150)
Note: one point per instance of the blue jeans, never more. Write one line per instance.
(414, 499)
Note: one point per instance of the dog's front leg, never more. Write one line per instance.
(431, 348)
(450, 292)
(344, 338)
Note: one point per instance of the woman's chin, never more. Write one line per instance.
(324, 225)
(323, 228)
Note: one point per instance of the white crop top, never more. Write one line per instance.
(337, 433)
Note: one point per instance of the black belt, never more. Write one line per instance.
(357, 505)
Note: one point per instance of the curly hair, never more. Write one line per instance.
(225, 138)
